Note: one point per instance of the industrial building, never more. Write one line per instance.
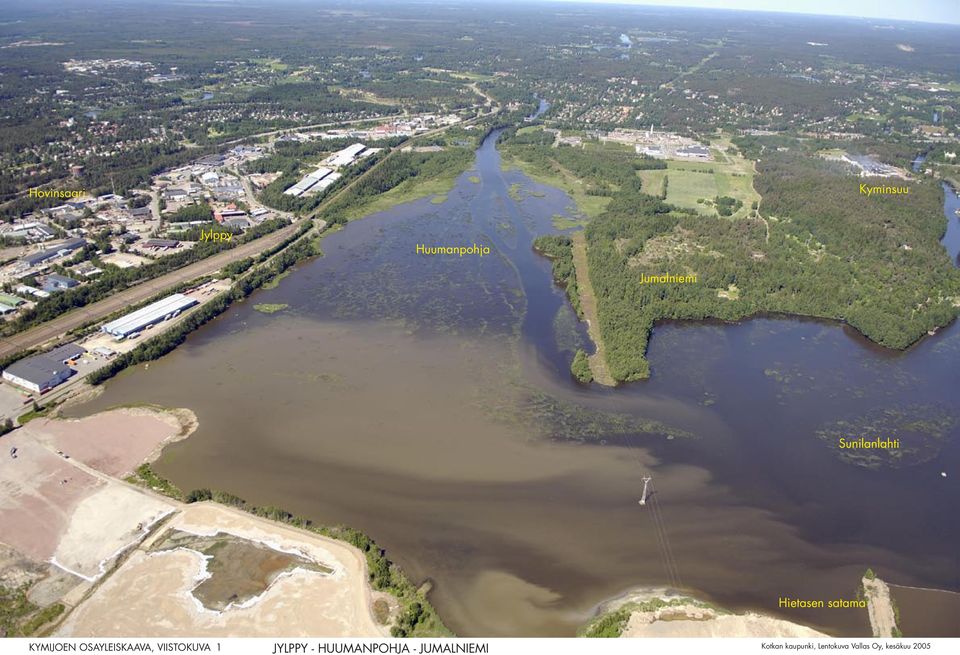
(161, 244)
(141, 319)
(33, 291)
(311, 181)
(346, 156)
(300, 187)
(221, 215)
(325, 182)
(57, 282)
(11, 300)
(41, 373)
(694, 152)
(65, 248)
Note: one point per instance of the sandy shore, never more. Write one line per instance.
(658, 612)
(694, 621)
(588, 304)
(883, 620)
(39, 492)
(104, 524)
(59, 500)
(115, 442)
(151, 593)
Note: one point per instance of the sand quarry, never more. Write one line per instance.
(58, 501)
(90, 540)
(154, 588)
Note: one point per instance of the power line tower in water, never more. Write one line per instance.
(643, 496)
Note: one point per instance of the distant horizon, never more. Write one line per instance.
(935, 12)
(940, 12)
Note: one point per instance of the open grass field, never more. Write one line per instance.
(652, 181)
(689, 182)
(273, 64)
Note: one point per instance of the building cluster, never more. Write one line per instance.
(662, 145)
(323, 177)
(97, 66)
(43, 372)
(313, 183)
(51, 238)
(402, 127)
(210, 181)
(51, 241)
(38, 261)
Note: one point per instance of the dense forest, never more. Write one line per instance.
(875, 263)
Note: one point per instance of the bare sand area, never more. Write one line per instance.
(39, 490)
(117, 441)
(660, 612)
(55, 509)
(693, 621)
(104, 524)
(883, 620)
(152, 591)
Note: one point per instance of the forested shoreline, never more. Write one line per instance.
(819, 249)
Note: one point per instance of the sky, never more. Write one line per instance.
(931, 11)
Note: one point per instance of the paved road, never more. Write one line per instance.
(62, 324)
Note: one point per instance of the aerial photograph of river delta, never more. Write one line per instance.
(471, 319)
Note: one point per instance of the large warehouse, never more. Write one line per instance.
(43, 372)
(346, 156)
(150, 315)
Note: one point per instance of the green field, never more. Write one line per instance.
(652, 181)
(561, 222)
(529, 128)
(273, 64)
(688, 182)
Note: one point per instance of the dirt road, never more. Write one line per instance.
(588, 304)
(71, 320)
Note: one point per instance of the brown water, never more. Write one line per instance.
(427, 402)
(927, 612)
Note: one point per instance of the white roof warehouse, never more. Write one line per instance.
(149, 315)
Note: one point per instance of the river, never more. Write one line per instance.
(427, 400)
